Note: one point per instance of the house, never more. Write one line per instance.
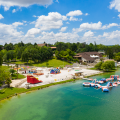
(88, 57)
(41, 45)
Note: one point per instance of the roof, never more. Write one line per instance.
(87, 57)
(41, 45)
(78, 56)
(53, 47)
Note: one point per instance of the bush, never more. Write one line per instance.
(12, 71)
(98, 65)
(108, 65)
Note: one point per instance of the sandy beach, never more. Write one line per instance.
(51, 78)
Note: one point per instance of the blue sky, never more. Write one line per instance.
(60, 20)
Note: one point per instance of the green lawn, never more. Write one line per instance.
(52, 63)
(20, 76)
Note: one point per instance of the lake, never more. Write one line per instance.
(70, 101)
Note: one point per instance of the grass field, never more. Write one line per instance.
(52, 63)
(20, 76)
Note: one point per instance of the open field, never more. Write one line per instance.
(52, 63)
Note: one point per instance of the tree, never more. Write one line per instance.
(117, 56)
(98, 65)
(4, 76)
(12, 71)
(108, 65)
(1, 59)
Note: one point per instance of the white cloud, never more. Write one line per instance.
(1, 17)
(13, 11)
(34, 16)
(52, 21)
(73, 19)
(86, 14)
(75, 13)
(63, 29)
(112, 35)
(67, 23)
(91, 26)
(64, 18)
(115, 4)
(119, 15)
(88, 34)
(94, 26)
(16, 24)
(23, 3)
(57, 1)
(9, 33)
(32, 32)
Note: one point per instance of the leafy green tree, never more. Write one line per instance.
(12, 71)
(1, 59)
(4, 76)
(117, 56)
(98, 65)
(108, 65)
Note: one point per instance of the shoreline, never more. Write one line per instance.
(45, 86)
(38, 88)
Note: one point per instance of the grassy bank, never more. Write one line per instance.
(51, 63)
(10, 92)
(20, 76)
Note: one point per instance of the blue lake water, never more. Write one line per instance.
(70, 101)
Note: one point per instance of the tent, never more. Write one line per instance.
(55, 71)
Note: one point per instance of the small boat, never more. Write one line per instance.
(86, 84)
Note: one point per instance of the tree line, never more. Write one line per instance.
(25, 52)
(63, 50)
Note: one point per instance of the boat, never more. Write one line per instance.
(86, 84)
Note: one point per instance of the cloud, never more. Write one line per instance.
(88, 34)
(112, 35)
(32, 32)
(9, 33)
(1, 17)
(119, 15)
(86, 14)
(16, 24)
(115, 4)
(67, 23)
(13, 11)
(94, 26)
(23, 3)
(63, 29)
(73, 19)
(74, 13)
(52, 21)
(57, 1)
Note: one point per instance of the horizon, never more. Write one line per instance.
(59, 20)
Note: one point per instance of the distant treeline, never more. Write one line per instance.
(67, 50)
